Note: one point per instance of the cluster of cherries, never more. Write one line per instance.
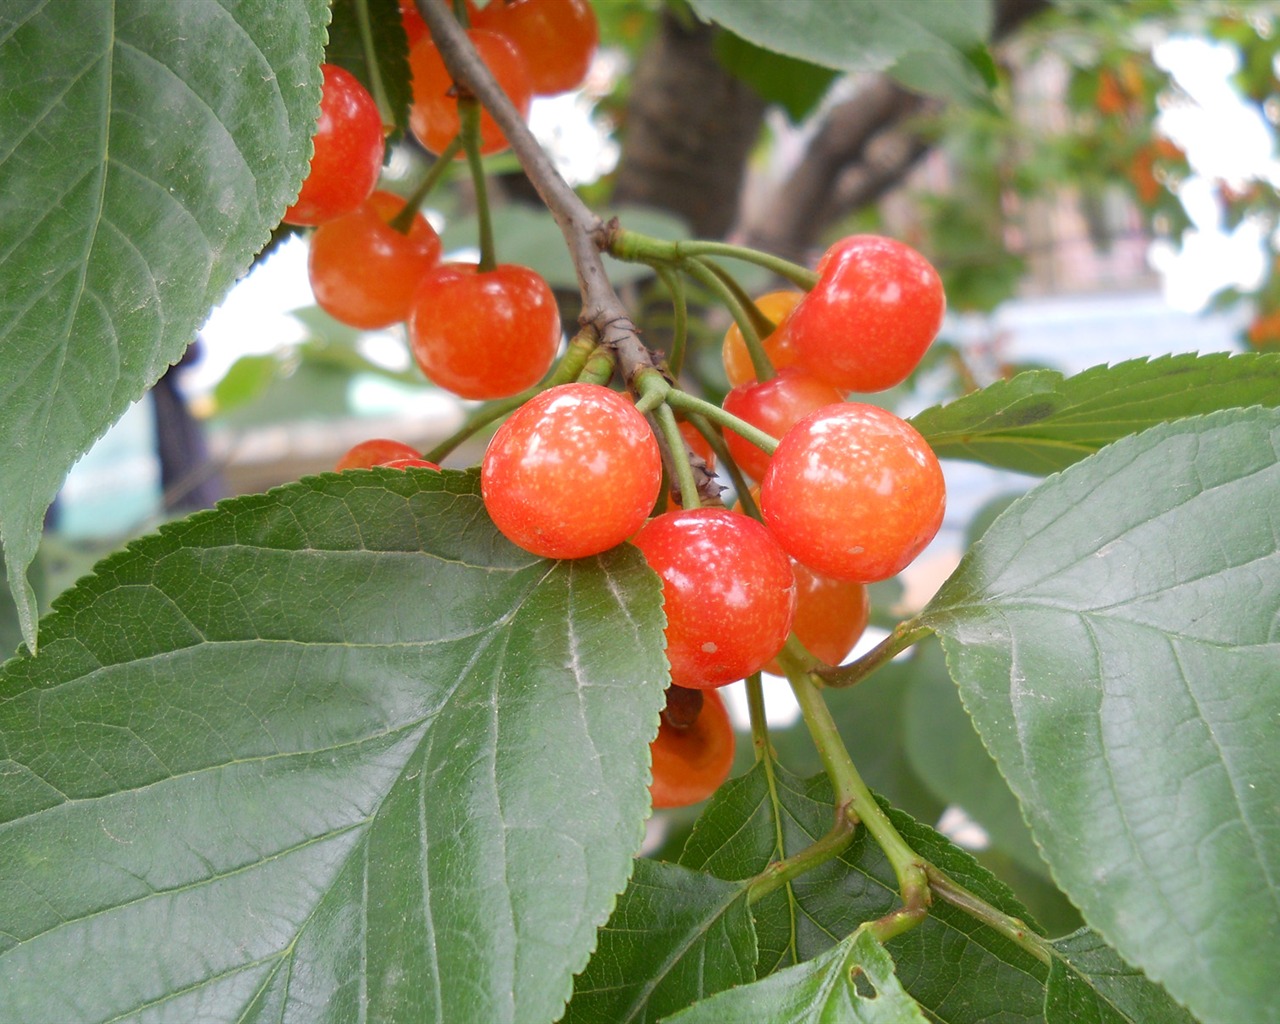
(374, 262)
(850, 495)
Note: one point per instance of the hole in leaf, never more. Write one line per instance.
(862, 984)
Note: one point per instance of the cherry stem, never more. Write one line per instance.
(634, 247)
(693, 404)
(600, 366)
(403, 221)
(680, 310)
(679, 452)
(377, 87)
(781, 872)
(571, 364)
(469, 116)
(853, 795)
(719, 281)
(905, 635)
(759, 722)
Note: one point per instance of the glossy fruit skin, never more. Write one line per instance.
(376, 452)
(774, 406)
(348, 152)
(363, 271)
(484, 335)
(433, 115)
(557, 38)
(689, 764)
(877, 306)
(830, 615)
(777, 306)
(572, 472)
(853, 492)
(727, 589)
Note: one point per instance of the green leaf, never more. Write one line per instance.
(1114, 638)
(868, 35)
(852, 983)
(955, 968)
(676, 936)
(1089, 984)
(140, 177)
(1040, 422)
(795, 85)
(390, 86)
(334, 752)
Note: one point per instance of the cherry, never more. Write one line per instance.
(347, 157)
(853, 492)
(433, 117)
(877, 306)
(377, 452)
(557, 38)
(830, 615)
(691, 755)
(777, 306)
(363, 271)
(572, 472)
(728, 591)
(484, 334)
(774, 406)
(414, 27)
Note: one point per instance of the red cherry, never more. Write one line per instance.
(572, 472)
(774, 406)
(376, 452)
(690, 761)
(363, 271)
(777, 306)
(830, 615)
(875, 309)
(557, 38)
(853, 492)
(433, 117)
(484, 335)
(727, 589)
(414, 27)
(348, 151)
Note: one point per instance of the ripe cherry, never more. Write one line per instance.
(572, 472)
(877, 306)
(557, 38)
(363, 271)
(377, 452)
(853, 492)
(348, 151)
(727, 589)
(774, 406)
(433, 117)
(484, 335)
(414, 27)
(693, 751)
(830, 615)
(777, 306)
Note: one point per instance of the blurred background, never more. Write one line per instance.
(1109, 193)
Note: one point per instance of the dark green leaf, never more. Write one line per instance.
(388, 81)
(140, 177)
(1040, 422)
(1114, 638)
(868, 35)
(795, 85)
(1089, 984)
(852, 983)
(335, 752)
(676, 936)
(957, 969)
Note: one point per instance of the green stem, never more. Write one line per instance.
(1011, 928)
(403, 221)
(906, 634)
(711, 276)
(599, 368)
(759, 723)
(781, 872)
(692, 404)
(637, 248)
(680, 307)
(376, 86)
(469, 116)
(570, 366)
(853, 795)
(679, 455)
